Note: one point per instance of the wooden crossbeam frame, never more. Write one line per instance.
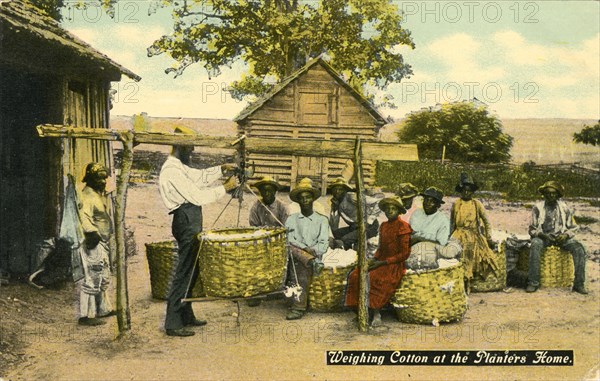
(349, 149)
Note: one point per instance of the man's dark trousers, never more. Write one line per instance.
(187, 223)
(571, 245)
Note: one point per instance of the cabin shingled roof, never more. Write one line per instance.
(25, 17)
(251, 108)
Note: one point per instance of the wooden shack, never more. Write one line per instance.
(313, 103)
(47, 76)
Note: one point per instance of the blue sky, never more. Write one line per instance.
(525, 59)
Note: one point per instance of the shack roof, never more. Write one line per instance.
(251, 108)
(21, 18)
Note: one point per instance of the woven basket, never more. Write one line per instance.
(492, 282)
(242, 267)
(327, 290)
(162, 261)
(556, 267)
(427, 296)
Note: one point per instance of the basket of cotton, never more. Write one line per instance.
(242, 262)
(326, 291)
(431, 296)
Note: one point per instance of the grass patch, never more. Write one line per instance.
(585, 220)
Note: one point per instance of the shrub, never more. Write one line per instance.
(513, 182)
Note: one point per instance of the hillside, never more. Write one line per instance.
(544, 141)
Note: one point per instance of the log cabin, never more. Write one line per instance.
(313, 103)
(48, 75)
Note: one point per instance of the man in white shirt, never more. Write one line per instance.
(184, 190)
(308, 238)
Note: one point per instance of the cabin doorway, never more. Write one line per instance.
(24, 168)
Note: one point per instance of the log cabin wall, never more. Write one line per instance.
(49, 76)
(86, 104)
(315, 105)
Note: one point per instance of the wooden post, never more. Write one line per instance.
(123, 315)
(363, 279)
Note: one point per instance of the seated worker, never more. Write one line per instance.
(431, 231)
(308, 238)
(387, 267)
(553, 225)
(407, 193)
(268, 211)
(344, 208)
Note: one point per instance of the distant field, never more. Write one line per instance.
(544, 141)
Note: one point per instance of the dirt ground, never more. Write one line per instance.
(40, 340)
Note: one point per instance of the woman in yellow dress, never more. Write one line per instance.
(470, 226)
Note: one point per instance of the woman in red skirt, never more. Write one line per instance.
(387, 267)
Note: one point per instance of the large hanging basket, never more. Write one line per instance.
(494, 281)
(242, 262)
(556, 267)
(327, 290)
(432, 296)
(162, 261)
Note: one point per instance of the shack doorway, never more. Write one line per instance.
(26, 215)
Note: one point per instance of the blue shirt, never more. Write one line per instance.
(434, 227)
(309, 232)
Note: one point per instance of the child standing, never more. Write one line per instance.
(470, 226)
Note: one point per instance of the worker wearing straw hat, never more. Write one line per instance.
(267, 211)
(553, 224)
(387, 266)
(344, 209)
(184, 190)
(407, 193)
(308, 238)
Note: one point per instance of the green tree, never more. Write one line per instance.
(275, 37)
(50, 7)
(469, 132)
(588, 135)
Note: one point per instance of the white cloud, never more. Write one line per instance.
(465, 58)
(133, 34)
(89, 35)
(567, 63)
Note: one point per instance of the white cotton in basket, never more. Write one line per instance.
(217, 236)
(442, 262)
(339, 258)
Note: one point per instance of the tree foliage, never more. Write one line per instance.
(274, 37)
(469, 132)
(50, 7)
(588, 135)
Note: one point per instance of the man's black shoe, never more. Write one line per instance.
(182, 332)
(90, 321)
(196, 323)
(531, 288)
(580, 289)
